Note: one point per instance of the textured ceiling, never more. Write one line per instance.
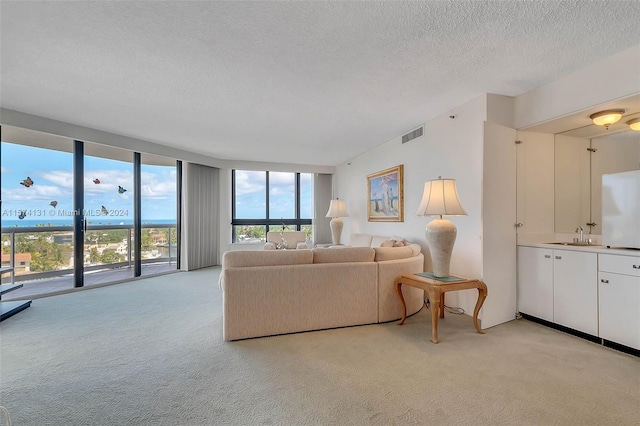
(294, 82)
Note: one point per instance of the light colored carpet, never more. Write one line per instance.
(150, 352)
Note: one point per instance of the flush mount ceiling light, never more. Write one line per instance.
(634, 124)
(607, 118)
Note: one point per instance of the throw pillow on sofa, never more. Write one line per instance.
(398, 241)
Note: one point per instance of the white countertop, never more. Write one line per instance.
(592, 248)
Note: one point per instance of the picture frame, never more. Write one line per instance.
(385, 195)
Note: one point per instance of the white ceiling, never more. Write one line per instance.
(293, 82)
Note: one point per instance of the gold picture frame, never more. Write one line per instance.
(385, 195)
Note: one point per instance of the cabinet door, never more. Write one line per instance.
(535, 282)
(619, 308)
(575, 290)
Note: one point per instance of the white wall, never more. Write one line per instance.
(451, 148)
(615, 77)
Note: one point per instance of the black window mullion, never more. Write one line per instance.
(79, 221)
(267, 197)
(178, 214)
(298, 199)
(137, 215)
(267, 222)
(233, 204)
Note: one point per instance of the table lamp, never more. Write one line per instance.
(337, 210)
(440, 198)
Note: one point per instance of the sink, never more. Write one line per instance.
(577, 244)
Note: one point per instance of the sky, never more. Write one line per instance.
(52, 175)
(251, 195)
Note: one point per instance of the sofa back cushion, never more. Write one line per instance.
(343, 255)
(393, 253)
(360, 240)
(234, 259)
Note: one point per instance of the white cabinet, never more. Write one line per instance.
(559, 286)
(535, 282)
(575, 290)
(619, 299)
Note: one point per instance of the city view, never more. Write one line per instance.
(37, 213)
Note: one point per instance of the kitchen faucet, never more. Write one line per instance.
(581, 240)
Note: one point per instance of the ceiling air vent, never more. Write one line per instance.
(412, 135)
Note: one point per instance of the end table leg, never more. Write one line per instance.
(404, 305)
(442, 305)
(482, 294)
(435, 309)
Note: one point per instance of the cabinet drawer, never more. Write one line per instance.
(627, 265)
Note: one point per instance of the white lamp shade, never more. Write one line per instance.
(440, 198)
(337, 209)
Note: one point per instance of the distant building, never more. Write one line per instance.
(22, 263)
(159, 239)
(63, 238)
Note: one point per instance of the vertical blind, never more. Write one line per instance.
(200, 216)
(322, 193)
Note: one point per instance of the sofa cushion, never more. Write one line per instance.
(387, 243)
(392, 253)
(343, 255)
(234, 259)
(360, 240)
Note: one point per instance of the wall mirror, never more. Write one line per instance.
(583, 152)
(582, 156)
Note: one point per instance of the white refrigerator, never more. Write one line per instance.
(621, 209)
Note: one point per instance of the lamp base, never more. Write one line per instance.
(336, 225)
(441, 235)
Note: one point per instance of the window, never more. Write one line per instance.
(270, 201)
(77, 213)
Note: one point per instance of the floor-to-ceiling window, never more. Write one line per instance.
(159, 212)
(265, 201)
(37, 209)
(108, 212)
(68, 213)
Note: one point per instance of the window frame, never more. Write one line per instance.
(266, 221)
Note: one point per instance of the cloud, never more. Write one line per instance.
(110, 180)
(3, 169)
(278, 178)
(158, 186)
(248, 182)
(282, 190)
(36, 193)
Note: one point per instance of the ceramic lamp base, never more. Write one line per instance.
(336, 225)
(441, 235)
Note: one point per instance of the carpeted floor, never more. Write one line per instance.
(150, 353)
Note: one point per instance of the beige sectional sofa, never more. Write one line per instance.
(285, 291)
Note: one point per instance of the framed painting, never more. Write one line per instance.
(385, 195)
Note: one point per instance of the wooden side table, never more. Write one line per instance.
(435, 290)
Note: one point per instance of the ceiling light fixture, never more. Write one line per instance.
(634, 124)
(607, 118)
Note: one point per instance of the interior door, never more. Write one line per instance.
(498, 222)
